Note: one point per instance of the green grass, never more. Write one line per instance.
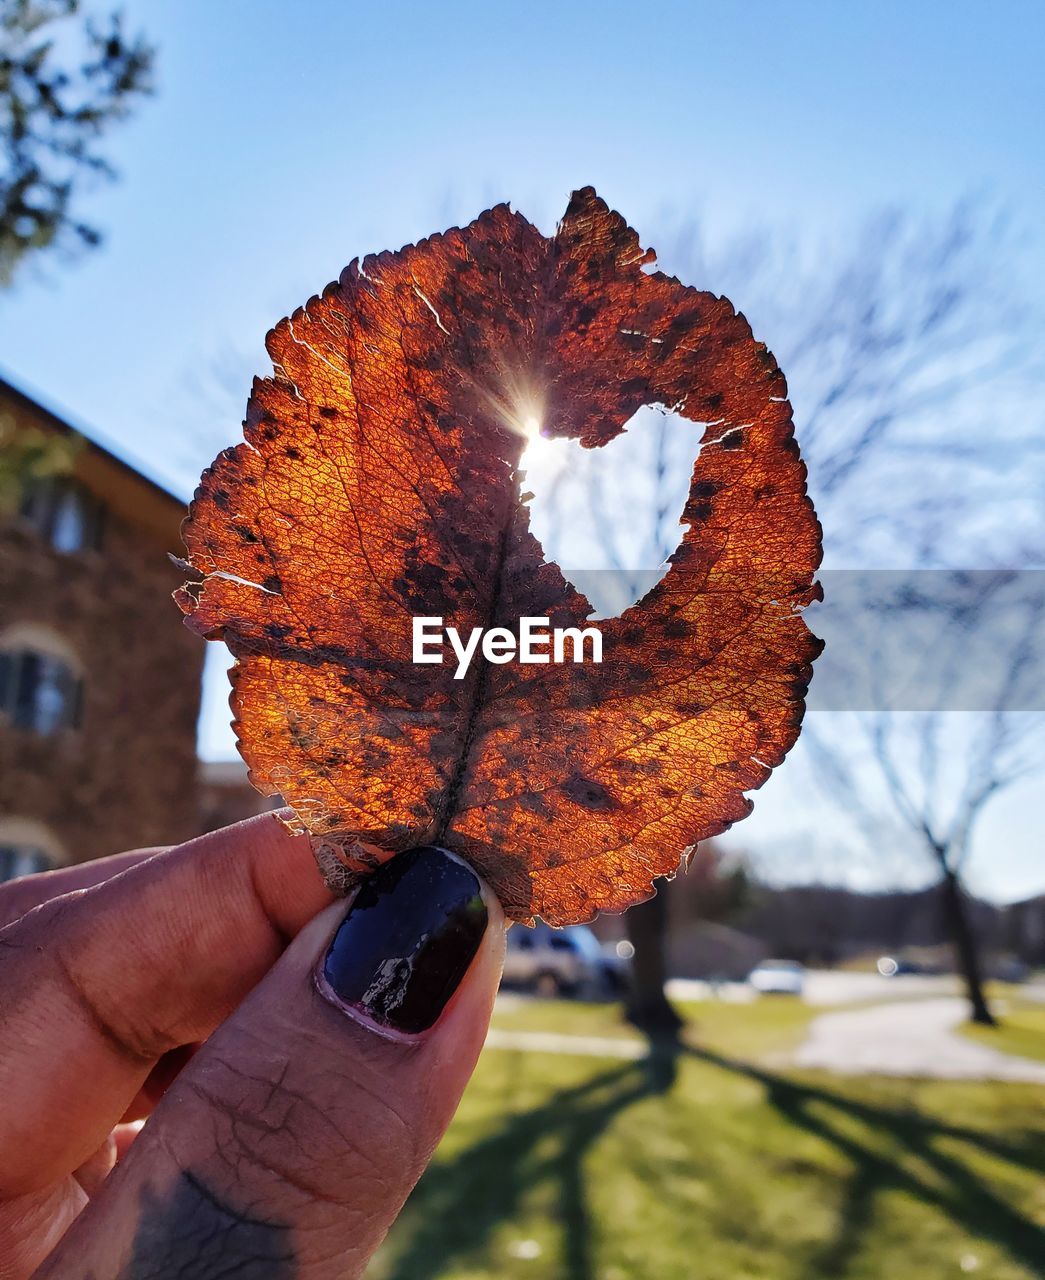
(712, 1165)
(1021, 1030)
(768, 1026)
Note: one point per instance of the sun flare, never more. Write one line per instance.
(542, 455)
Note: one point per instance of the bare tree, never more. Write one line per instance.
(647, 472)
(953, 718)
(911, 364)
(1003, 749)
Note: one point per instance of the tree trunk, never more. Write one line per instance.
(965, 946)
(647, 1007)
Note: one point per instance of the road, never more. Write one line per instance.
(908, 1038)
(900, 1026)
(826, 987)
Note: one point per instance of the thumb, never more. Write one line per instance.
(290, 1143)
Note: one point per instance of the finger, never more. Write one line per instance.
(100, 983)
(17, 897)
(289, 1144)
(159, 1080)
(92, 1173)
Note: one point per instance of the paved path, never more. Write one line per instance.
(554, 1042)
(902, 1038)
(825, 987)
(908, 1038)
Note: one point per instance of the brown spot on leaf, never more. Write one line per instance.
(589, 794)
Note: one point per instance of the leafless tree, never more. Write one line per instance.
(911, 364)
(951, 718)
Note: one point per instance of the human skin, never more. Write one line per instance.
(190, 987)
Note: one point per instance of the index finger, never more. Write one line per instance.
(19, 897)
(99, 983)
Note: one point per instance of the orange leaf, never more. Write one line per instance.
(379, 481)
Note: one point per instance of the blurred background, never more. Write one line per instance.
(821, 1052)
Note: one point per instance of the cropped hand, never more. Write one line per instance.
(295, 1060)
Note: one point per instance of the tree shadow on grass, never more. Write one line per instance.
(951, 1187)
(460, 1204)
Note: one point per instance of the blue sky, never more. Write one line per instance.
(284, 140)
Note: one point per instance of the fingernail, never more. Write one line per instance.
(407, 941)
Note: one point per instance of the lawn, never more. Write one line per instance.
(716, 1164)
(1021, 1030)
(765, 1028)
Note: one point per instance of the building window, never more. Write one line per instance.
(22, 860)
(64, 512)
(38, 691)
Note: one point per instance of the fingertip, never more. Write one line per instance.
(408, 940)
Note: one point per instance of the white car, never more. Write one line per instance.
(778, 977)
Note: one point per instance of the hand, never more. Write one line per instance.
(334, 1042)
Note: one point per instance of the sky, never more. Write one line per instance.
(283, 141)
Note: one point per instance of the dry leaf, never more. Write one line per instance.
(379, 481)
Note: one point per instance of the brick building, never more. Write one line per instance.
(99, 681)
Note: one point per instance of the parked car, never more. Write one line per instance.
(778, 977)
(567, 961)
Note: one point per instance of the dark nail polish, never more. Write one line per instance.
(408, 939)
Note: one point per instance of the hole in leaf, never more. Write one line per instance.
(610, 517)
